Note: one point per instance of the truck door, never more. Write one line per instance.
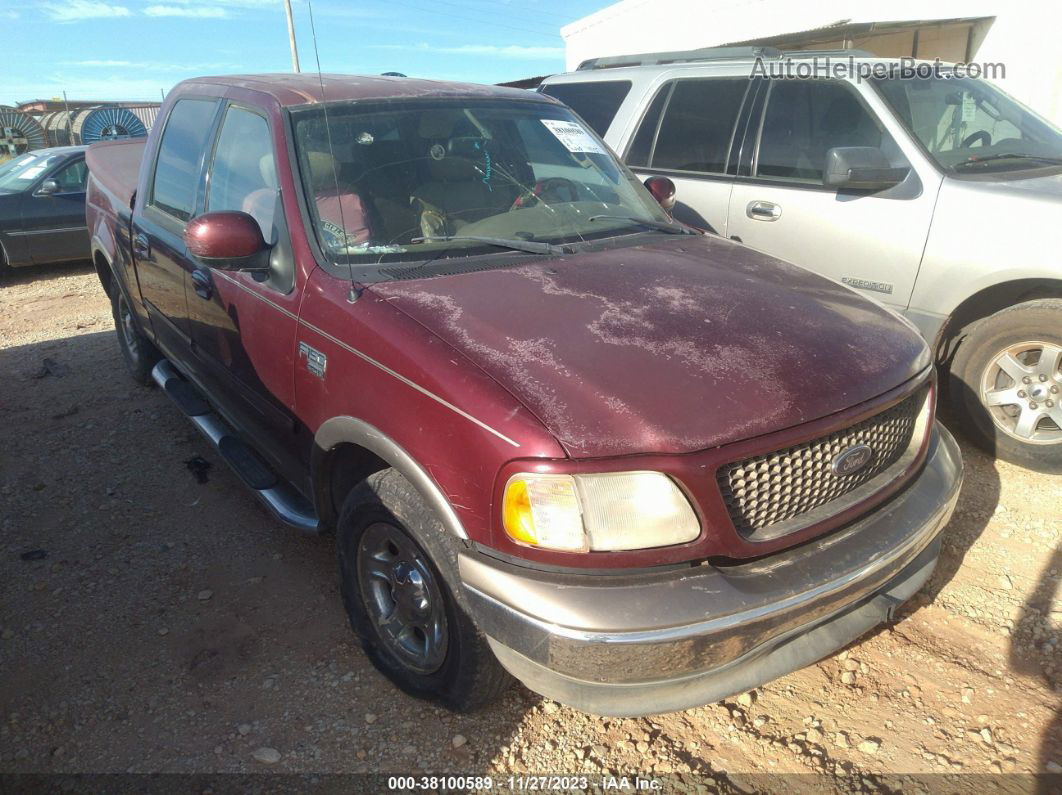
(244, 324)
(159, 252)
(54, 223)
(870, 241)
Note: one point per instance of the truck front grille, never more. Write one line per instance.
(781, 492)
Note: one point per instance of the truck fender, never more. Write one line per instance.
(353, 431)
(110, 276)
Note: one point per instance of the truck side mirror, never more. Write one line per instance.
(861, 168)
(663, 191)
(48, 187)
(227, 240)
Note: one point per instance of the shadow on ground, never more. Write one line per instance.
(153, 623)
(43, 273)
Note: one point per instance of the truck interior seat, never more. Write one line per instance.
(456, 192)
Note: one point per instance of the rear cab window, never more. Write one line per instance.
(177, 165)
(596, 102)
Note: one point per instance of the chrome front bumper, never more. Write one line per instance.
(661, 641)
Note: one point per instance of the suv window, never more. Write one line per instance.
(243, 174)
(177, 167)
(969, 126)
(72, 177)
(642, 143)
(804, 119)
(596, 102)
(697, 125)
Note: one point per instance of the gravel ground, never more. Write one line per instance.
(150, 623)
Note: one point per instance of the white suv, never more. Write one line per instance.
(940, 196)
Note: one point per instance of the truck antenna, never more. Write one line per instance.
(355, 291)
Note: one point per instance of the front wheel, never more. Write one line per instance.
(1006, 383)
(400, 586)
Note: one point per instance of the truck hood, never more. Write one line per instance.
(673, 346)
(1035, 189)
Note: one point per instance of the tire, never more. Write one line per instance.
(1006, 384)
(139, 353)
(385, 527)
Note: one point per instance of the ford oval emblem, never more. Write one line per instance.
(850, 461)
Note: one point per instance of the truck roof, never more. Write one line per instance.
(305, 87)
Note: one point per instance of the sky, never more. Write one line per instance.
(135, 49)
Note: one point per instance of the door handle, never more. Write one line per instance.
(142, 247)
(763, 211)
(202, 283)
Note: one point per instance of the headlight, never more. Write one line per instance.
(608, 512)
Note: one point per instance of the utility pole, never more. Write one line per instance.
(291, 37)
(69, 126)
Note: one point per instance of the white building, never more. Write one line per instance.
(1020, 34)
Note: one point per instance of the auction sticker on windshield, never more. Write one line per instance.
(573, 136)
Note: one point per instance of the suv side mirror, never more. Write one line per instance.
(663, 191)
(227, 240)
(48, 187)
(861, 168)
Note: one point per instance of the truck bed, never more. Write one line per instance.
(116, 166)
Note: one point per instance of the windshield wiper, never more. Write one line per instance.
(663, 226)
(530, 246)
(975, 161)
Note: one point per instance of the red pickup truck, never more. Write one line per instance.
(557, 434)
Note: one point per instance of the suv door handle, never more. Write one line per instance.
(202, 283)
(142, 247)
(763, 211)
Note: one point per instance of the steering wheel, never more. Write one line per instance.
(983, 136)
(544, 188)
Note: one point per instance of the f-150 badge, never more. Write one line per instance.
(316, 362)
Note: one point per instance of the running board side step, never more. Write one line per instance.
(279, 497)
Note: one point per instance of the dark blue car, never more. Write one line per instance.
(42, 207)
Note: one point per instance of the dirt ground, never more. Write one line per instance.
(154, 624)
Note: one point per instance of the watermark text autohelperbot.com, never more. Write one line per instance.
(841, 67)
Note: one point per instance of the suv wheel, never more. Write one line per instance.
(398, 576)
(1006, 382)
(139, 353)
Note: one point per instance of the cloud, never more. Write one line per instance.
(99, 63)
(491, 50)
(350, 12)
(80, 86)
(9, 14)
(154, 67)
(229, 3)
(198, 12)
(76, 10)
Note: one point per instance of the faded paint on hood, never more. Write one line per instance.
(674, 346)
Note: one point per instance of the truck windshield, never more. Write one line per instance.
(18, 174)
(969, 126)
(414, 180)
